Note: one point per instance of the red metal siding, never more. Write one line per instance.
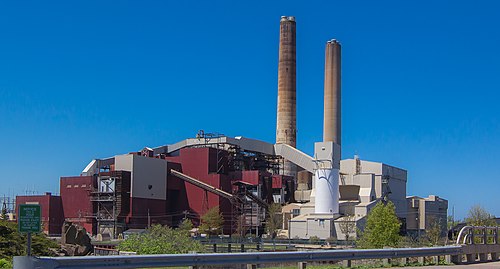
(252, 177)
(198, 163)
(141, 208)
(52, 215)
(76, 204)
(277, 181)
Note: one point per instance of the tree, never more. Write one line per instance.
(478, 216)
(212, 221)
(450, 222)
(382, 227)
(160, 239)
(348, 226)
(434, 231)
(274, 220)
(241, 227)
(186, 226)
(13, 243)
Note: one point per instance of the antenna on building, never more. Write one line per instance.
(358, 164)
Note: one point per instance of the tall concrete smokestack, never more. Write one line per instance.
(332, 113)
(286, 122)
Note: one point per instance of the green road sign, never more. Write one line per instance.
(29, 218)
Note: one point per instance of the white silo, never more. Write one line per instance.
(327, 191)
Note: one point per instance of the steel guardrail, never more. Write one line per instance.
(166, 260)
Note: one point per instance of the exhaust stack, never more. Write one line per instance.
(286, 129)
(332, 108)
(327, 153)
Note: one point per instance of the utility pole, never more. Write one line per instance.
(149, 220)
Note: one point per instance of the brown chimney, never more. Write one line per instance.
(332, 109)
(286, 117)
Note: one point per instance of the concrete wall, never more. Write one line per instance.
(397, 179)
(423, 212)
(310, 226)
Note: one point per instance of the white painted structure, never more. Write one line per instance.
(327, 191)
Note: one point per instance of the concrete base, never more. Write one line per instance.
(404, 261)
(456, 259)
(470, 258)
(346, 263)
(302, 265)
(494, 256)
(420, 260)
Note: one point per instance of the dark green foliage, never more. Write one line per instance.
(382, 228)
(160, 240)
(12, 243)
(314, 239)
(212, 221)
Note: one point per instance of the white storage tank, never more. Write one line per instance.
(327, 191)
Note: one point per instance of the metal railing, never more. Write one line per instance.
(466, 244)
(469, 234)
(150, 261)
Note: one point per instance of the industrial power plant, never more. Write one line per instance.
(242, 177)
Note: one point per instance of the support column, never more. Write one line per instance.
(470, 257)
(456, 259)
(420, 260)
(302, 265)
(435, 259)
(494, 256)
(404, 261)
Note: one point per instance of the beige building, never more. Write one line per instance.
(362, 185)
(363, 182)
(424, 212)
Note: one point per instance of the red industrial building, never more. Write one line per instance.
(51, 210)
(166, 184)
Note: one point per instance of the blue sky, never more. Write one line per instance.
(420, 81)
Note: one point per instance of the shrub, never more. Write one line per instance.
(160, 240)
